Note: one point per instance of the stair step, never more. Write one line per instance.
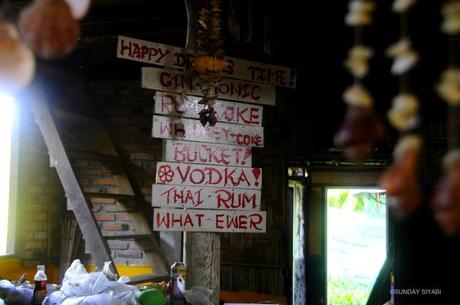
(148, 278)
(128, 236)
(73, 116)
(93, 156)
(110, 195)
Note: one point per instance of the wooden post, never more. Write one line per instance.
(202, 250)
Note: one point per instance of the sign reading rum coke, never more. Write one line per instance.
(208, 175)
(209, 221)
(207, 153)
(193, 197)
(187, 106)
(228, 89)
(188, 129)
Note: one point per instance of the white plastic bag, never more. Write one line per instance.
(198, 295)
(99, 299)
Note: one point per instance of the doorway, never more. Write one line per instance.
(356, 242)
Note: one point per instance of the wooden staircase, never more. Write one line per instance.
(72, 139)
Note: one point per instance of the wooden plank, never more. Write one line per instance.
(207, 153)
(208, 175)
(187, 106)
(209, 221)
(192, 197)
(97, 246)
(228, 89)
(188, 129)
(175, 57)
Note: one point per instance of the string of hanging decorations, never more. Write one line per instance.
(361, 127)
(446, 204)
(400, 179)
(209, 62)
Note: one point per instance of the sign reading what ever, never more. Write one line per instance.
(209, 221)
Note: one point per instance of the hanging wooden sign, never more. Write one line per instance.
(175, 57)
(207, 153)
(209, 221)
(187, 106)
(228, 89)
(208, 175)
(192, 197)
(187, 129)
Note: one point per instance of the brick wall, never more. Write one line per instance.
(40, 201)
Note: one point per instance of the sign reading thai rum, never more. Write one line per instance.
(187, 106)
(170, 56)
(207, 153)
(228, 89)
(188, 129)
(192, 197)
(209, 221)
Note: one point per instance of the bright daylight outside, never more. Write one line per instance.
(6, 132)
(356, 243)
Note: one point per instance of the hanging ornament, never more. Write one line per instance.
(451, 18)
(79, 8)
(401, 6)
(209, 62)
(357, 62)
(17, 63)
(359, 13)
(446, 200)
(400, 179)
(48, 27)
(361, 128)
(404, 113)
(449, 87)
(404, 57)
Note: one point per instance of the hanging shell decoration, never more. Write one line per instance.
(446, 200)
(357, 62)
(47, 26)
(451, 18)
(404, 112)
(449, 87)
(17, 63)
(359, 13)
(400, 179)
(358, 96)
(404, 57)
(402, 6)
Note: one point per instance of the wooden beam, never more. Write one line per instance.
(202, 250)
(98, 247)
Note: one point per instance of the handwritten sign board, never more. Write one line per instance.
(228, 89)
(192, 197)
(208, 175)
(207, 153)
(209, 221)
(187, 129)
(187, 106)
(170, 56)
